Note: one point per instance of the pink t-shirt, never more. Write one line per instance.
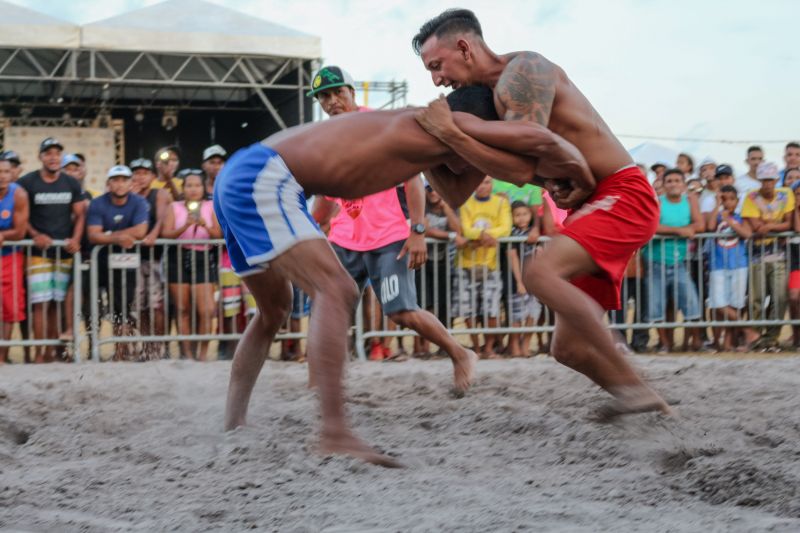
(193, 232)
(558, 214)
(367, 223)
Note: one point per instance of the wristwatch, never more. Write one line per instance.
(419, 229)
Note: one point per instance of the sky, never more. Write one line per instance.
(685, 71)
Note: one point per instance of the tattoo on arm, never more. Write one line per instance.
(527, 88)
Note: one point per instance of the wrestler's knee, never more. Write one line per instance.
(275, 315)
(404, 319)
(340, 288)
(537, 276)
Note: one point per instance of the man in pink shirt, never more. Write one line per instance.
(370, 234)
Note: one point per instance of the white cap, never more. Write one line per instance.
(767, 171)
(119, 170)
(707, 161)
(214, 151)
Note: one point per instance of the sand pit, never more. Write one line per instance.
(138, 447)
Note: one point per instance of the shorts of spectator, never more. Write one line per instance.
(48, 279)
(12, 268)
(665, 281)
(231, 287)
(727, 288)
(794, 262)
(523, 307)
(768, 278)
(150, 286)
(191, 266)
(479, 292)
(301, 304)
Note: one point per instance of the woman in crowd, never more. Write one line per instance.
(192, 268)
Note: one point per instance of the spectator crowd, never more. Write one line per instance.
(473, 270)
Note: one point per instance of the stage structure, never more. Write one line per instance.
(183, 72)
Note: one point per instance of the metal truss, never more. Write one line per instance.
(90, 79)
(93, 77)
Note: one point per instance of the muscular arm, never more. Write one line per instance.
(527, 88)
(454, 188)
(555, 157)
(437, 120)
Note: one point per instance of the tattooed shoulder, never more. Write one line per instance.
(527, 88)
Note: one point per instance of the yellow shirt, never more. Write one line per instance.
(158, 184)
(492, 215)
(755, 206)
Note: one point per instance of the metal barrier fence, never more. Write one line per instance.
(184, 292)
(39, 302)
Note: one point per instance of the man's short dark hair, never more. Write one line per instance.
(729, 188)
(793, 144)
(673, 171)
(516, 204)
(476, 100)
(448, 22)
(754, 148)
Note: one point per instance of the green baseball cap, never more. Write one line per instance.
(329, 77)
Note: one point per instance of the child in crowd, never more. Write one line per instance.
(524, 308)
(728, 263)
(485, 217)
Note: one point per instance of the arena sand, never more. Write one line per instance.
(139, 447)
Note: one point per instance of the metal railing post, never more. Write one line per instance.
(94, 313)
(77, 301)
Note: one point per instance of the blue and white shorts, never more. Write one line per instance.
(261, 208)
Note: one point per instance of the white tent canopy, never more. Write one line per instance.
(650, 153)
(23, 27)
(197, 27)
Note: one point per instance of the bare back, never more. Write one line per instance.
(533, 88)
(356, 154)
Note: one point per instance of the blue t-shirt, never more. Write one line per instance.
(102, 212)
(729, 253)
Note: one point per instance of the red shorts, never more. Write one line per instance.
(794, 279)
(12, 270)
(619, 218)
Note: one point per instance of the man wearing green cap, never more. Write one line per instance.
(371, 237)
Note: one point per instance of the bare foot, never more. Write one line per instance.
(463, 370)
(349, 444)
(633, 399)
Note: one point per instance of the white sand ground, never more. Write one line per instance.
(139, 447)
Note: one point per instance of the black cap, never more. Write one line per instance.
(723, 170)
(141, 163)
(48, 143)
(10, 155)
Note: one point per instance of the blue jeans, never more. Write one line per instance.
(665, 282)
